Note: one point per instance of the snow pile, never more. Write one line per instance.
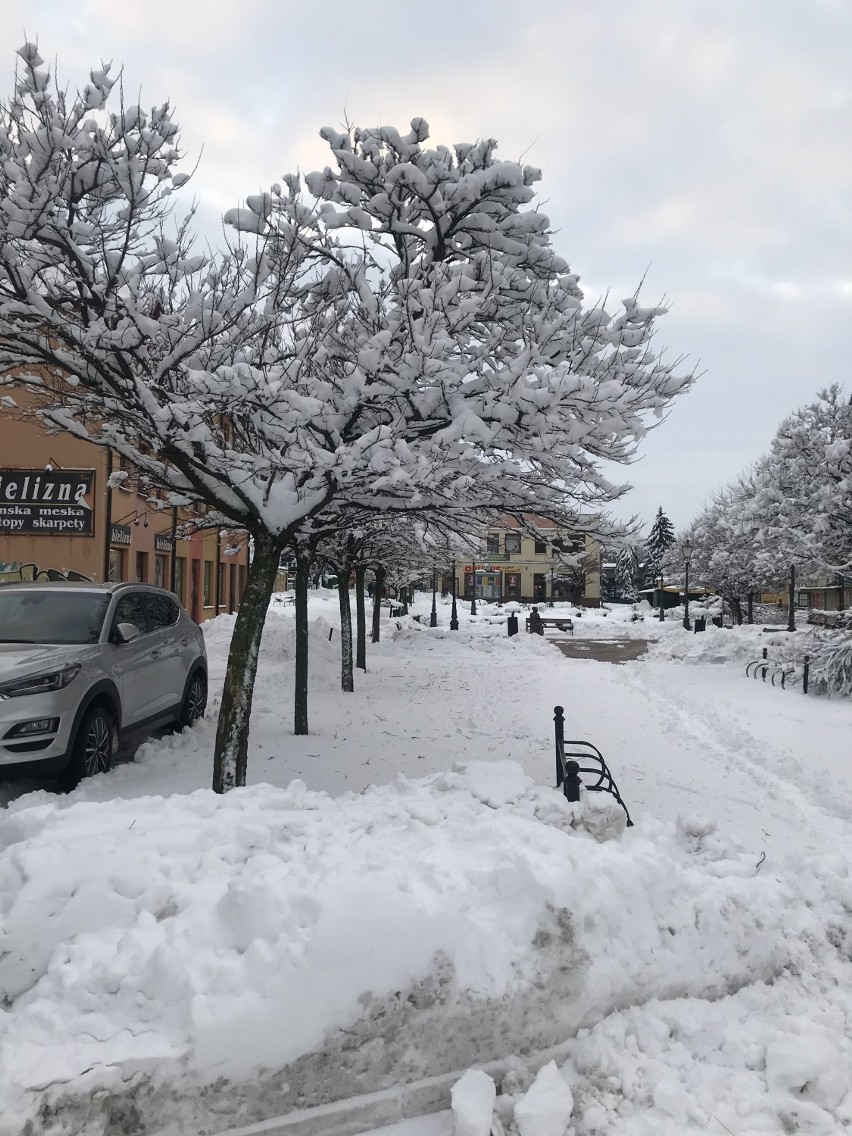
(530, 1107)
(737, 646)
(276, 948)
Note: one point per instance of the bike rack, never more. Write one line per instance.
(780, 674)
(569, 766)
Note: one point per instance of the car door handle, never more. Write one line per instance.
(155, 654)
(184, 642)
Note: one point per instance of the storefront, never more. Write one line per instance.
(61, 516)
(485, 581)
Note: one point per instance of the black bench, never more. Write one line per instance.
(562, 623)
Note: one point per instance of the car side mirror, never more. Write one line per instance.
(126, 632)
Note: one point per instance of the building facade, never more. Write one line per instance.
(515, 565)
(58, 515)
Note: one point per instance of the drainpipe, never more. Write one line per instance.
(218, 569)
(173, 568)
(108, 516)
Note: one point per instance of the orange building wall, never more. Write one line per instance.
(26, 444)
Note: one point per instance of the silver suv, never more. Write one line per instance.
(82, 665)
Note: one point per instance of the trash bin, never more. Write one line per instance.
(699, 625)
(717, 621)
(512, 624)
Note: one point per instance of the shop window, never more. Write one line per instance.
(180, 579)
(208, 583)
(492, 543)
(513, 584)
(513, 543)
(160, 570)
(116, 564)
(540, 586)
(141, 567)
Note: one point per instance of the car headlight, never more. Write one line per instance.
(41, 683)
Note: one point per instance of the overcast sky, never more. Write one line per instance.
(705, 144)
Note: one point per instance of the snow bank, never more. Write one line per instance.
(236, 956)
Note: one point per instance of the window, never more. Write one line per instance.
(160, 570)
(569, 546)
(129, 610)
(208, 583)
(51, 617)
(242, 578)
(180, 579)
(540, 586)
(513, 583)
(160, 610)
(142, 567)
(220, 572)
(541, 548)
(116, 564)
(513, 542)
(492, 543)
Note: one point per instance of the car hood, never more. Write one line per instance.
(17, 660)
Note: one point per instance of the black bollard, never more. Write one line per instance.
(559, 732)
(805, 674)
(512, 625)
(572, 785)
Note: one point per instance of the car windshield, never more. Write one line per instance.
(36, 616)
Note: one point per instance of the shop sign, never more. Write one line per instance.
(46, 502)
(163, 543)
(483, 567)
(119, 534)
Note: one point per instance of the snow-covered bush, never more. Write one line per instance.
(831, 668)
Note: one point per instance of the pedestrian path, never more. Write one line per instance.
(602, 650)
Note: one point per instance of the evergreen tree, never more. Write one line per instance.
(627, 572)
(660, 539)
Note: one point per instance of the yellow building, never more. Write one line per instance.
(515, 565)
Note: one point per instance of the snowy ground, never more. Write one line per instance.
(176, 962)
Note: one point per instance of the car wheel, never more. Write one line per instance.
(94, 747)
(194, 701)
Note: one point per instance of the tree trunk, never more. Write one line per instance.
(231, 755)
(360, 620)
(751, 607)
(377, 603)
(736, 610)
(347, 678)
(303, 583)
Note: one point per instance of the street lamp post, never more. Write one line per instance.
(473, 589)
(662, 595)
(433, 618)
(686, 549)
(454, 615)
(791, 614)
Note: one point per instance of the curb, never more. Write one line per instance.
(355, 1115)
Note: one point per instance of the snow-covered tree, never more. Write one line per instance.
(394, 332)
(805, 500)
(729, 554)
(627, 572)
(660, 539)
